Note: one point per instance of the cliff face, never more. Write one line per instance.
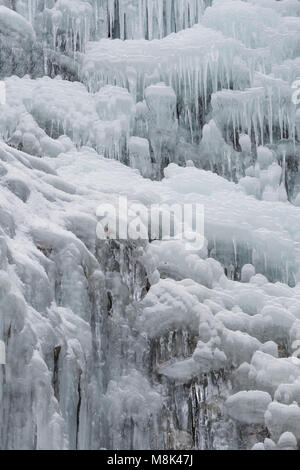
(143, 342)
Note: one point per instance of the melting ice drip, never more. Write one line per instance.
(131, 345)
(2, 93)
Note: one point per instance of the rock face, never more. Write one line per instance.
(143, 342)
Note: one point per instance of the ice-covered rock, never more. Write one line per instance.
(248, 407)
(143, 343)
(15, 26)
(282, 419)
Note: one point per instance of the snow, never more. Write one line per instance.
(265, 372)
(282, 418)
(248, 271)
(15, 25)
(288, 393)
(256, 26)
(134, 19)
(122, 344)
(139, 155)
(154, 61)
(205, 307)
(287, 441)
(248, 407)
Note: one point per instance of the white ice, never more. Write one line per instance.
(122, 344)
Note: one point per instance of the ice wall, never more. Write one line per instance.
(141, 339)
(143, 344)
(152, 19)
(240, 56)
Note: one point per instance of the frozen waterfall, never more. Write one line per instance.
(132, 343)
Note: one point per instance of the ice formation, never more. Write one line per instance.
(143, 344)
